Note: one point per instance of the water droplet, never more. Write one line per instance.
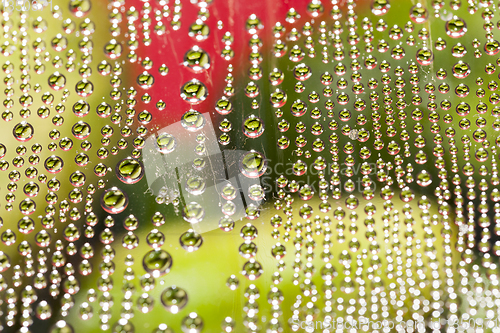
(80, 8)
(157, 262)
(456, 27)
(129, 170)
(253, 127)
(226, 224)
(163, 328)
(84, 88)
(425, 57)
(196, 185)
(23, 131)
(4, 261)
(302, 72)
(166, 143)
(199, 30)
(252, 269)
(113, 49)
(123, 326)
(54, 164)
(57, 81)
(298, 108)
(114, 200)
(461, 70)
(197, 59)
(278, 98)
(256, 192)
(418, 13)
(492, 47)
(145, 80)
(380, 7)
(253, 164)
(193, 212)
(194, 92)
(192, 120)
(174, 299)
(192, 323)
(191, 240)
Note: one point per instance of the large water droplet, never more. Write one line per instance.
(253, 164)
(129, 170)
(157, 262)
(174, 299)
(114, 200)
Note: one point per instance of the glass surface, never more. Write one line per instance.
(249, 166)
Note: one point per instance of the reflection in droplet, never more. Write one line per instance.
(191, 240)
(253, 126)
(54, 164)
(174, 299)
(195, 185)
(194, 92)
(129, 170)
(80, 8)
(23, 131)
(166, 143)
(253, 164)
(57, 81)
(157, 262)
(193, 212)
(197, 59)
(114, 200)
(456, 27)
(192, 120)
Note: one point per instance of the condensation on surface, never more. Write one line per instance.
(208, 165)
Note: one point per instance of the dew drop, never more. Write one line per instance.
(456, 27)
(23, 131)
(253, 164)
(192, 120)
(166, 143)
(129, 170)
(80, 8)
(114, 200)
(157, 262)
(197, 60)
(191, 240)
(193, 212)
(57, 81)
(54, 164)
(253, 127)
(174, 299)
(380, 7)
(419, 14)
